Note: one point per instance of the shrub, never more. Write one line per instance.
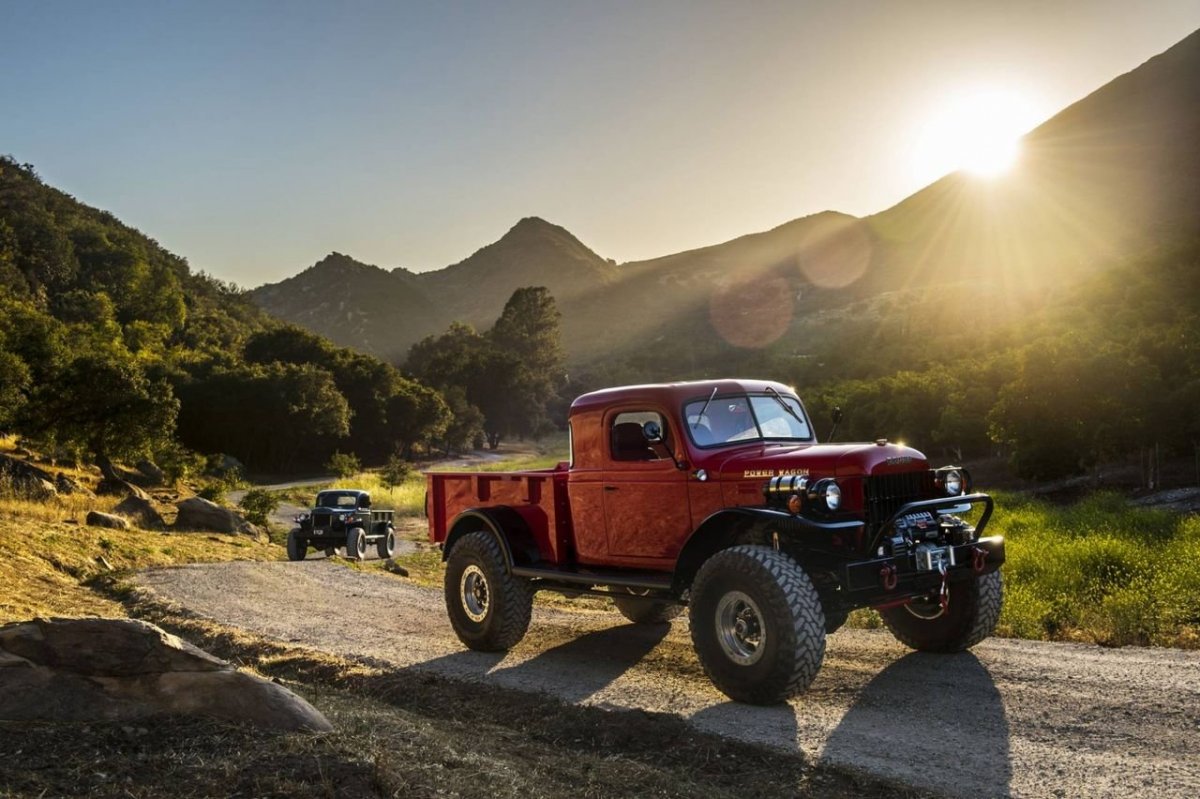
(213, 492)
(258, 505)
(395, 472)
(344, 464)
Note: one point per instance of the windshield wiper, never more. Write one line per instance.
(786, 407)
(699, 416)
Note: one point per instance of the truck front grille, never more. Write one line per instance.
(322, 520)
(887, 493)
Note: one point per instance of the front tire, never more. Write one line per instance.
(757, 624)
(489, 608)
(386, 547)
(646, 611)
(970, 617)
(356, 544)
(297, 547)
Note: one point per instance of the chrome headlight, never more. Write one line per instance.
(827, 492)
(833, 495)
(952, 481)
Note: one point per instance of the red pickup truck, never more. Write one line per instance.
(716, 495)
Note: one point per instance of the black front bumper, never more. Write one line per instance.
(867, 582)
(884, 580)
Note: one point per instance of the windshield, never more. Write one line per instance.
(337, 499)
(740, 417)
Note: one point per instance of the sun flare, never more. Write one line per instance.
(978, 131)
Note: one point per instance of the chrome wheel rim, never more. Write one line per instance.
(474, 589)
(740, 628)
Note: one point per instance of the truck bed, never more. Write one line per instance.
(538, 495)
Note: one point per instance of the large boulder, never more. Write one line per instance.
(115, 486)
(197, 513)
(142, 512)
(97, 519)
(26, 480)
(150, 471)
(68, 485)
(118, 669)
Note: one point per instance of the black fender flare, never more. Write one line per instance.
(508, 527)
(718, 530)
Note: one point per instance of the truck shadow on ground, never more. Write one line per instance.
(934, 721)
(572, 671)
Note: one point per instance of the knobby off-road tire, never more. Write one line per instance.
(971, 616)
(356, 544)
(386, 547)
(778, 650)
(646, 611)
(297, 547)
(489, 608)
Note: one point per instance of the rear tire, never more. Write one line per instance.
(489, 608)
(646, 611)
(757, 624)
(386, 547)
(970, 617)
(297, 547)
(356, 544)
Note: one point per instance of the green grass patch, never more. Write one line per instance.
(1099, 570)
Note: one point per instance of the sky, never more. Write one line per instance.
(254, 138)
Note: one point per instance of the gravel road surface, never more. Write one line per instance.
(1019, 718)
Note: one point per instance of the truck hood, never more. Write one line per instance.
(820, 460)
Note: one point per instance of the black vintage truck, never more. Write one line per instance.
(343, 517)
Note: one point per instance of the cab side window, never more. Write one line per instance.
(627, 440)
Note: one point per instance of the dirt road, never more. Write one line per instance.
(1015, 718)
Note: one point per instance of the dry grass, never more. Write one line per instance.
(47, 559)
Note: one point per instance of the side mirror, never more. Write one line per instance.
(652, 432)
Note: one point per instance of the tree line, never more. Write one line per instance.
(111, 348)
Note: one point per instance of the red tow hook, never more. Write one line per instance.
(979, 557)
(889, 577)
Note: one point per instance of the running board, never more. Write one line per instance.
(653, 582)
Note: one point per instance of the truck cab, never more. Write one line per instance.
(674, 493)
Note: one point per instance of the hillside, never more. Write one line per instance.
(383, 312)
(353, 304)
(1110, 176)
(112, 349)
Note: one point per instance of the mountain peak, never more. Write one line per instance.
(535, 227)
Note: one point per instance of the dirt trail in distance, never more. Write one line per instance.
(1022, 718)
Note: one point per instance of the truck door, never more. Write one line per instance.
(645, 496)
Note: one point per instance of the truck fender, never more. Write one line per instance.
(717, 532)
(509, 528)
(730, 526)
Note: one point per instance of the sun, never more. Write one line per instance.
(975, 130)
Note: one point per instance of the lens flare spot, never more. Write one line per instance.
(752, 313)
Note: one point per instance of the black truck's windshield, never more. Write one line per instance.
(739, 418)
(338, 499)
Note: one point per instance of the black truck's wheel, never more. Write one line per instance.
(386, 547)
(757, 624)
(297, 547)
(489, 608)
(970, 617)
(646, 611)
(356, 544)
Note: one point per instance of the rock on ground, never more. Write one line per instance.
(118, 669)
(197, 513)
(142, 511)
(121, 488)
(97, 519)
(26, 479)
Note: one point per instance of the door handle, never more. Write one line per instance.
(610, 488)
